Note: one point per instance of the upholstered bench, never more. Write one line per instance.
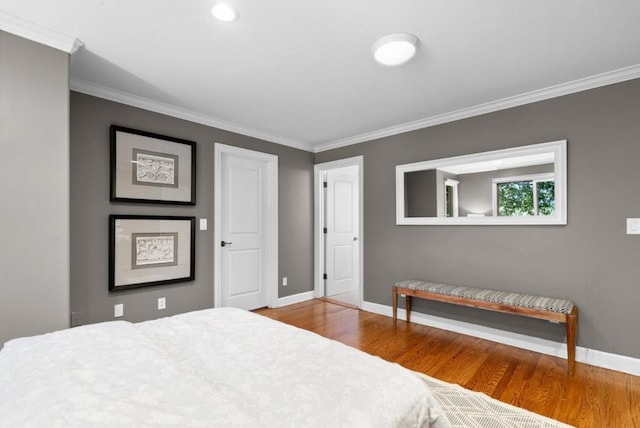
(546, 308)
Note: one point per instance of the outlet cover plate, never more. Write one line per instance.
(118, 310)
(76, 318)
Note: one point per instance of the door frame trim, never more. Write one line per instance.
(272, 219)
(318, 221)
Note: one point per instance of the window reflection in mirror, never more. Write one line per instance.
(524, 195)
(517, 185)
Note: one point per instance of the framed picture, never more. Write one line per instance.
(153, 168)
(150, 250)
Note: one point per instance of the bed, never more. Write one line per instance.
(220, 367)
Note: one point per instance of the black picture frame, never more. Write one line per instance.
(146, 167)
(150, 250)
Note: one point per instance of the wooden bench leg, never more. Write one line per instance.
(572, 330)
(394, 300)
(394, 304)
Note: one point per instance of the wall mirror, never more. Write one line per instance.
(520, 185)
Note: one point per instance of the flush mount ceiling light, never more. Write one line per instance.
(224, 12)
(395, 49)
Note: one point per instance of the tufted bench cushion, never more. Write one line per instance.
(502, 297)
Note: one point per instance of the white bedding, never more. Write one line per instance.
(213, 368)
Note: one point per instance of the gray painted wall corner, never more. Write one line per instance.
(34, 184)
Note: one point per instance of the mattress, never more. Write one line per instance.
(216, 367)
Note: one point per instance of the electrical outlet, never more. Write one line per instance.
(118, 310)
(284, 281)
(162, 303)
(76, 318)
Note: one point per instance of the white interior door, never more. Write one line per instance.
(342, 223)
(245, 262)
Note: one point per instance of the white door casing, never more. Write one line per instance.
(342, 237)
(245, 231)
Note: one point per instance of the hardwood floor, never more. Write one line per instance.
(593, 397)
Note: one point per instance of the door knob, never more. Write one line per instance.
(224, 243)
(355, 238)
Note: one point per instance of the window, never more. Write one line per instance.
(530, 195)
(451, 197)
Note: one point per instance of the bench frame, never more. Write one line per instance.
(571, 319)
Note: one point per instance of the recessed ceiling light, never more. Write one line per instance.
(224, 12)
(395, 49)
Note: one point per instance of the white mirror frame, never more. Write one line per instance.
(559, 149)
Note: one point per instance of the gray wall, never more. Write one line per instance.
(420, 198)
(90, 208)
(590, 260)
(34, 188)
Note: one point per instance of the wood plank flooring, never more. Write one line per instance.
(593, 397)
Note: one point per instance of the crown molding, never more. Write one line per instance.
(604, 79)
(169, 110)
(37, 33)
(599, 80)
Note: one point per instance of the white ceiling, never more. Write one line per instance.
(301, 73)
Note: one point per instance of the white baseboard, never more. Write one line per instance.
(592, 357)
(295, 298)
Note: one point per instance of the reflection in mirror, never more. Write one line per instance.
(522, 185)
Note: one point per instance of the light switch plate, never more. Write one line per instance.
(203, 224)
(633, 226)
(118, 310)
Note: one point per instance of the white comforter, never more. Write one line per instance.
(213, 368)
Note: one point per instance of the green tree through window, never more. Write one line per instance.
(526, 198)
(546, 197)
(515, 198)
